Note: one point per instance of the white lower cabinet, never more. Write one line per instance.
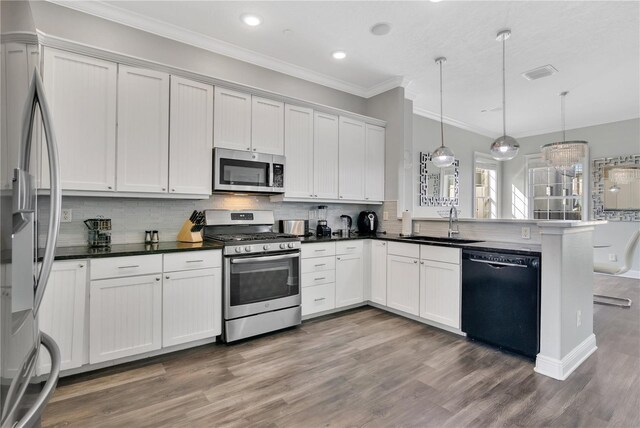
(191, 303)
(403, 284)
(62, 314)
(318, 298)
(379, 272)
(440, 285)
(318, 277)
(349, 279)
(125, 317)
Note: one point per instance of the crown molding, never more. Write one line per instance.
(453, 122)
(558, 129)
(182, 35)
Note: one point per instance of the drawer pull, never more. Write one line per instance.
(318, 251)
(320, 279)
(319, 299)
(321, 264)
(194, 261)
(128, 267)
(351, 248)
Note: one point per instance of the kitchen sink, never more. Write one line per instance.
(440, 239)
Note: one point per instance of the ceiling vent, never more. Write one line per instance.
(540, 72)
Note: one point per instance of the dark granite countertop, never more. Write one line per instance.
(512, 247)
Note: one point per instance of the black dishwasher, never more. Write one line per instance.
(501, 300)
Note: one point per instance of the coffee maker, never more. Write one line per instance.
(322, 230)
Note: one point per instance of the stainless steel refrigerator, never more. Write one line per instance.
(24, 270)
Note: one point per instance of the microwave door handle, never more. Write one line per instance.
(247, 260)
(270, 173)
(37, 97)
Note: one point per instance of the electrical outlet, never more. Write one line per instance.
(578, 318)
(525, 232)
(416, 227)
(67, 216)
(613, 258)
(385, 215)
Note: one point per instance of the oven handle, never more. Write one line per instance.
(264, 259)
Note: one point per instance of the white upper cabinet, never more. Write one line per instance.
(232, 119)
(267, 126)
(325, 155)
(374, 163)
(298, 150)
(81, 92)
(351, 159)
(143, 130)
(191, 137)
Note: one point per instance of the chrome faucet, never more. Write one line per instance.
(453, 217)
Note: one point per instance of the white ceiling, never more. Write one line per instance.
(594, 45)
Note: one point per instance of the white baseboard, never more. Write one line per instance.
(635, 274)
(561, 369)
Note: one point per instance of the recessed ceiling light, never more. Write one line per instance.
(251, 20)
(540, 72)
(287, 32)
(380, 29)
(435, 1)
(339, 55)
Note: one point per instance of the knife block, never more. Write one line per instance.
(186, 235)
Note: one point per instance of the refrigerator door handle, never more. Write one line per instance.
(37, 97)
(35, 412)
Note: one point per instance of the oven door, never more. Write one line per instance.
(256, 284)
(239, 171)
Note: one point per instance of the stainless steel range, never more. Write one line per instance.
(261, 285)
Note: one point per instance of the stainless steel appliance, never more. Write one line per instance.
(23, 275)
(247, 172)
(261, 271)
(367, 223)
(322, 228)
(294, 227)
(346, 220)
(501, 300)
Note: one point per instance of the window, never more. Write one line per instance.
(555, 194)
(486, 187)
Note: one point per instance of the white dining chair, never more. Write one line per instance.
(616, 269)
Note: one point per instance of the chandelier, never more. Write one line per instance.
(564, 154)
(624, 175)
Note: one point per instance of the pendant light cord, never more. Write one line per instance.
(504, 97)
(441, 121)
(562, 115)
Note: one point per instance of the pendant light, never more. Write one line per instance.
(442, 156)
(564, 154)
(505, 147)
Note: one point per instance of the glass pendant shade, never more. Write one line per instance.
(442, 157)
(504, 148)
(564, 154)
(614, 189)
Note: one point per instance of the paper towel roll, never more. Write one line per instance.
(407, 228)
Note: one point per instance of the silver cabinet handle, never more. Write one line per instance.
(351, 248)
(167, 277)
(320, 279)
(81, 265)
(128, 267)
(315, 196)
(384, 243)
(173, 190)
(319, 251)
(421, 263)
(338, 258)
(158, 279)
(248, 148)
(110, 187)
(194, 261)
(319, 299)
(415, 261)
(164, 189)
(321, 264)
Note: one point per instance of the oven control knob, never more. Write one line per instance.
(283, 245)
(247, 249)
(238, 249)
(266, 247)
(291, 245)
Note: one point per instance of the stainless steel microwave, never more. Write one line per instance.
(247, 172)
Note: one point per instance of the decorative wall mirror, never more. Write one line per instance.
(616, 188)
(439, 187)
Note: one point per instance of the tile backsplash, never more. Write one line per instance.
(131, 217)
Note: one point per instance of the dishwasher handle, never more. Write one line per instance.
(497, 265)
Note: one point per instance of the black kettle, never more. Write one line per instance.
(367, 223)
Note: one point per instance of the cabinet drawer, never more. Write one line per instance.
(318, 298)
(440, 254)
(349, 247)
(115, 267)
(318, 250)
(192, 260)
(404, 250)
(315, 278)
(318, 264)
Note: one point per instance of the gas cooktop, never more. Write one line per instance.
(264, 236)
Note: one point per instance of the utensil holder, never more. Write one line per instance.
(186, 235)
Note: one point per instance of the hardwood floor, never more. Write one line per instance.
(365, 368)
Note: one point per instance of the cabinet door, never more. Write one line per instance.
(191, 137)
(374, 164)
(143, 130)
(440, 292)
(125, 316)
(18, 62)
(325, 156)
(267, 126)
(351, 159)
(403, 284)
(62, 314)
(379, 272)
(232, 120)
(298, 149)
(81, 92)
(349, 280)
(191, 305)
